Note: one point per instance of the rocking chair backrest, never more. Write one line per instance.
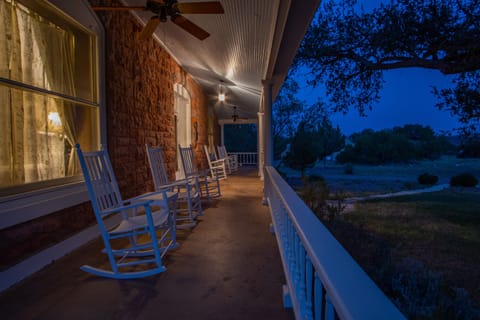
(158, 166)
(222, 152)
(188, 160)
(100, 180)
(210, 156)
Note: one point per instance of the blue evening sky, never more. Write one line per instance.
(406, 98)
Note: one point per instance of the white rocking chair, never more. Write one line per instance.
(141, 255)
(217, 167)
(189, 204)
(231, 160)
(209, 186)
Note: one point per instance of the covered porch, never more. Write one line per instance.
(227, 267)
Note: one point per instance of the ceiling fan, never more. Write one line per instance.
(173, 9)
(235, 115)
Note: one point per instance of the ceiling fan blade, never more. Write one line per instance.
(107, 8)
(199, 7)
(190, 27)
(149, 29)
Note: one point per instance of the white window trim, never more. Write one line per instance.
(19, 208)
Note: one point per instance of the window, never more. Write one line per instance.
(49, 95)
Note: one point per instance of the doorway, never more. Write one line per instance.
(183, 131)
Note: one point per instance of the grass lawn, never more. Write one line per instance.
(421, 249)
(440, 230)
(368, 180)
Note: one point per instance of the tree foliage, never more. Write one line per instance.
(302, 152)
(400, 144)
(463, 102)
(348, 49)
(314, 139)
(287, 113)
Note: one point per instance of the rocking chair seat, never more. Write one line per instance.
(137, 222)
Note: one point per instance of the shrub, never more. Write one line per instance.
(416, 288)
(463, 180)
(427, 178)
(336, 205)
(314, 193)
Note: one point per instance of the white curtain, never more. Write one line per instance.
(36, 129)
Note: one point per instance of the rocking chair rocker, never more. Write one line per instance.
(142, 255)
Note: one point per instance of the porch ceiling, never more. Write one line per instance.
(254, 40)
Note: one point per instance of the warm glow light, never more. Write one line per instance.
(221, 97)
(54, 117)
(230, 73)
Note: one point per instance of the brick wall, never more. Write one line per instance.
(140, 102)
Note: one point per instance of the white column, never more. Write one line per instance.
(260, 145)
(267, 130)
(222, 134)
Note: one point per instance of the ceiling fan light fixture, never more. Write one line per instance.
(221, 97)
(162, 9)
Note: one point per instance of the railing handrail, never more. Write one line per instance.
(249, 158)
(350, 290)
(242, 152)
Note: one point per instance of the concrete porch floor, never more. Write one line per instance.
(227, 267)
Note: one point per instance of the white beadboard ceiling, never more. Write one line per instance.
(254, 40)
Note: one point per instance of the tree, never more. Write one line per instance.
(463, 101)
(326, 138)
(287, 112)
(315, 138)
(400, 144)
(302, 152)
(349, 49)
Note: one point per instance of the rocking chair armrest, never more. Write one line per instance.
(167, 195)
(179, 183)
(202, 173)
(128, 205)
(219, 162)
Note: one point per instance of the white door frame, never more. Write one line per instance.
(183, 118)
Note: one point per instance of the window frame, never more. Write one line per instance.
(45, 197)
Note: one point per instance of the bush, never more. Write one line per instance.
(314, 193)
(427, 178)
(463, 180)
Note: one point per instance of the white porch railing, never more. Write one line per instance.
(323, 280)
(246, 158)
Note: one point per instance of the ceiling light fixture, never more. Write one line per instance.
(221, 92)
